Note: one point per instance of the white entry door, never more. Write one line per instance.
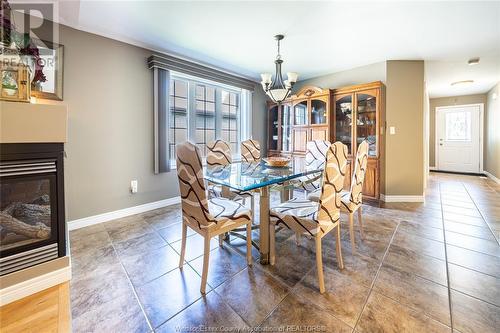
(458, 138)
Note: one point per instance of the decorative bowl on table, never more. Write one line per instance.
(276, 161)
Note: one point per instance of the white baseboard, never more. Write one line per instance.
(34, 285)
(402, 198)
(91, 220)
(495, 179)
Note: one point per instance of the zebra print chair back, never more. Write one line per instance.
(250, 150)
(192, 187)
(333, 182)
(316, 151)
(359, 173)
(219, 153)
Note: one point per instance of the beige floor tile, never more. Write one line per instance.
(382, 314)
(415, 292)
(473, 283)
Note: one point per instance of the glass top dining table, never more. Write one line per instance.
(259, 177)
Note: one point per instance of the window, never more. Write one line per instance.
(203, 111)
(178, 114)
(230, 117)
(458, 126)
(204, 117)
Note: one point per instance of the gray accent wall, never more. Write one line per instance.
(109, 92)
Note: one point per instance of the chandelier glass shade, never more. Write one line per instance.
(278, 89)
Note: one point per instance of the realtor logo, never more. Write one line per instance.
(23, 22)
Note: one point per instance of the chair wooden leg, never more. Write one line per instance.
(221, 239)
(183, 244)
(360, 221)
(206, 259)
(272, 243)
(249, 244)
(319, 264)
(339, 248)
(351, 231)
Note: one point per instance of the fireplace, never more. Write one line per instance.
(32, 221)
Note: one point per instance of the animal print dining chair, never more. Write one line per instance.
(316, 219)
(315, 157)
(219, 154)
(208, 217)
(250, 150)
(352, 200)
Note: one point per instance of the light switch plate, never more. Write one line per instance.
(392, 130)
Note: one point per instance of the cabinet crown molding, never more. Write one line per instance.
(309, 91)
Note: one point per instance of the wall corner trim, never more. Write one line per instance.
(95, 219)
(402, 198)
(492, 177)
(34, 285)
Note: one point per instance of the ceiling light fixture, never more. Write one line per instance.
(278, 89)
(462, 82)
(473, 61)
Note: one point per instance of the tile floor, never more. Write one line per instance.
(432, 267)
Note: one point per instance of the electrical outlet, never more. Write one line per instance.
(133, 186)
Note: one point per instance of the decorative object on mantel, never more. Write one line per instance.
(44, 59)
(14, 75)
(278, 89)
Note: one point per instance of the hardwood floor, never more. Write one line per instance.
(421, 267)
(46, 311)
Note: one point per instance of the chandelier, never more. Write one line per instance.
(278, 89)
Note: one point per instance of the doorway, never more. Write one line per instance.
(459, 131)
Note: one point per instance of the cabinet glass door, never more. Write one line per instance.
(318, 112)
(343, 120)
(366, 122)
(300, 112)
(273, 130)
(286, 133)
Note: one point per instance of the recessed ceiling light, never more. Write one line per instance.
(473, 61)
(462, 82)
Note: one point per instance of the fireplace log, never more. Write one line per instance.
(12, 224)
(29, 213)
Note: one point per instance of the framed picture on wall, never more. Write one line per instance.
(48, 83)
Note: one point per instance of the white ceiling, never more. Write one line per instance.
(321, 37)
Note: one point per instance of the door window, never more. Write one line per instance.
(458, 126)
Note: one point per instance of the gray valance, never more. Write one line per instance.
(171, 63)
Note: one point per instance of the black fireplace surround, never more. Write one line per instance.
(32, 220)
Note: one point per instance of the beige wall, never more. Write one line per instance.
(108, 89)
(492, 132)
(447, 101)
(364, 74)
(404, 164)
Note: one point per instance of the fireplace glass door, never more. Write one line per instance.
(28, 213)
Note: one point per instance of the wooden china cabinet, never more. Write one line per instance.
(301, 118)
(358, 115)
(329, 114)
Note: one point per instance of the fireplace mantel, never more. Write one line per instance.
(29, 123)
(26, 123)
